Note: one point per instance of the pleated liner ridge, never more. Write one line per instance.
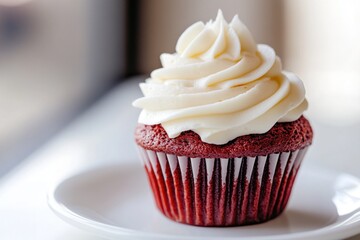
(221, 191)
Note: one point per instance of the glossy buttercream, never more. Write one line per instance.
(221, 85)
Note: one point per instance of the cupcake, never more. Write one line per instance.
(222, 132)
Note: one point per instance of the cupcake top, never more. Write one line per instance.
(221, 85)
(282, 137)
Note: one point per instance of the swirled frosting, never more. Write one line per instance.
(221, 85)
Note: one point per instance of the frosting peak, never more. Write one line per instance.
(216, 39)
(221, 85)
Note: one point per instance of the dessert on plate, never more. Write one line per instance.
(222, 132)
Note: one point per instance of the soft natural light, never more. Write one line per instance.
(335, 97)
(13, 2)
(347, 194)
(322, 47)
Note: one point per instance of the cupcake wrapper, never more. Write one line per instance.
(221, 191)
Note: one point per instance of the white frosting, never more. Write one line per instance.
(221, 85)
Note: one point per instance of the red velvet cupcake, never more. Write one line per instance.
(221, 132)
(245, 181)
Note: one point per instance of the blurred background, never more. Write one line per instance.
(57, 57)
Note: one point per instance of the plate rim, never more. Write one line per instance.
(331, 231)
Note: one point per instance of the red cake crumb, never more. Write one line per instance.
(283, 137)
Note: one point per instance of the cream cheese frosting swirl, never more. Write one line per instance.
(221, 85)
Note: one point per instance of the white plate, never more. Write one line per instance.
(115, 202)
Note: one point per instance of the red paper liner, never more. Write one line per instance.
(221, 191)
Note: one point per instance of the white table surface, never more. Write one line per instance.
(103, 135)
